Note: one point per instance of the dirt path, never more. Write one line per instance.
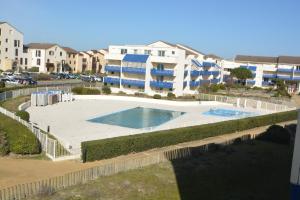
(17, 171)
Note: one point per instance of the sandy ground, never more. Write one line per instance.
(68, 120)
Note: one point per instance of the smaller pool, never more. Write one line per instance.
(138, 117)
(228, 113)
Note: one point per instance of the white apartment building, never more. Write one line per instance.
(47, 57)
(11, 46)
(266, 69)
(159, 68)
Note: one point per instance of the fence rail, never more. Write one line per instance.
(48, 186)
(246, 103)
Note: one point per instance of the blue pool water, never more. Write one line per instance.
(227, 113)
(138, 117)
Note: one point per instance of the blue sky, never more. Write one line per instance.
(222, 27)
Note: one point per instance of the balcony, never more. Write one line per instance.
(195, 73)
(159, 84)
(111, 80)
(284, 70)
(285, 77)
(194, 83)
(134, 70)
(137, 83)
(158, 72)
(251, 68)
(215, 80)
(208, 73)
(269, 76)
(209, 64)
(110, 68)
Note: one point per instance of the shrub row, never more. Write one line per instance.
(4, 148)
(85, 91)
(23, 115)
(112, 147)
(20, 139)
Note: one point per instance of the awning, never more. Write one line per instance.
(196, 62)
(136, 58)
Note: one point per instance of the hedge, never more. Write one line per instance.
(4, 148)
(112, 147)
(20, 139)
(23, 115)
(85, 91)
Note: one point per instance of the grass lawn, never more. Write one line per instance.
(13, 104)
(258, 171)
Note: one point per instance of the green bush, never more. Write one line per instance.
(108, 148)
(276, 134)
(171, 95)
(34, 69)
(20, 138)
(2, 84)
(23, 115)
(85, 91)
(156, 96)
(4, 148)
(106, 90)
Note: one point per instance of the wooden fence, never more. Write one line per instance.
(48, 186)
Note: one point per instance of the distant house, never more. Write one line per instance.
(11, 46)
(47, 57)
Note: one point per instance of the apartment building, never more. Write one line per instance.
(265, 69)
(158, 68)
(47, 57)
(11, 46)
(73, 61)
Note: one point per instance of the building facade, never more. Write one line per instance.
(46, 57)
(11, 47)
(158, 68)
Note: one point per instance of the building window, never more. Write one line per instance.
(60, 53)
(6, 40)
(6, 49)
(0, 31)
(38, 61)
(21, 61)
(70, 62)
(173, 52)
(15, 43)
(160, 66)
(18, 43)
(51, 53)
(161, 53)
(123, 51)
(147, 52)
(135, 51)
(25, 61)
(298, 67)
(48, 60)
(73, 55)
(74, 62)
(38, 53)
(16, 52)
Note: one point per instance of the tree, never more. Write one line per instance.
(241, 74)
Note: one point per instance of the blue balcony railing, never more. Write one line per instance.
(111, 80)
(165, 72)
(269, 76)
(208, 73)
(215, 80)
(284, 70)
(110, 68)
(195, 73)
(285, 77)
(134, 70)
(251, 68)
(209, 64)
(296, 78)
(194, 83)
(159, 84)
(137, 83)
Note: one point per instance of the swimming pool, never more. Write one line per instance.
(138, 117)
(228, 113)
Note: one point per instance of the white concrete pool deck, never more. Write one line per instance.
(68, 120)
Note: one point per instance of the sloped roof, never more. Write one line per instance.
(189, 49)
(70, 50)
(213, 56)
(289, 60)
(11, 26)
(167, 43)
(40, 45)
(256, 59)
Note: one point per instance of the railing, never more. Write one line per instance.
(269, 75)
(285, 70)
(159, 84)
(134, 70)
(208, 73)
(251, 68)
(111, 80)
(137, 83)
(110, 68)
(246, 103)
(165, 72)
(209, 64)
(194, 83)
(195, 73)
